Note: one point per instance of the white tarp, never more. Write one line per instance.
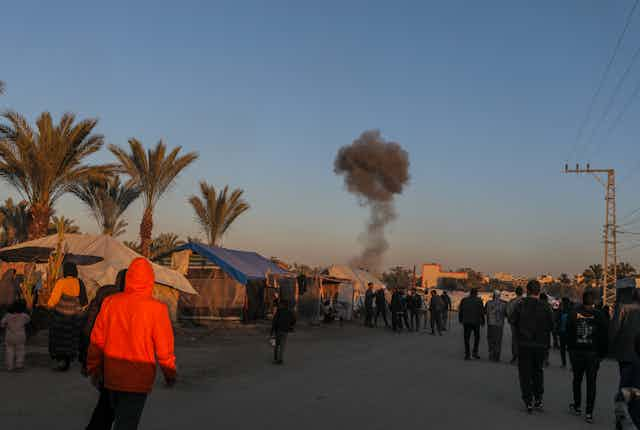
(360, 278)
(116, 256)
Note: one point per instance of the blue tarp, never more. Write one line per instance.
(243, 266)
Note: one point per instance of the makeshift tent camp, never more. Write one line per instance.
(230, 283)
(112, 256)
(323, 288)
(360, 279)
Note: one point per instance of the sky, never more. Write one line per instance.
(487, 98)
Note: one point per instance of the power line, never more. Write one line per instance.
(592, 103)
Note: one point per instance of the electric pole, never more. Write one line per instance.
(610, 257)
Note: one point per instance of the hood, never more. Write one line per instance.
(139, 278)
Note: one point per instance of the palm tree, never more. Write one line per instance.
(42, 164)
(625, 270)
(2, 87)
(107, 201)
(160, 245)
(593, 273)
(14, 220)
(153, 172)
(216, 212)
(67, 224)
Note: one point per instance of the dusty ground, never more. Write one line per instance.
(333, 379)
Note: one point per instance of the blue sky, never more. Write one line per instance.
(487, 98)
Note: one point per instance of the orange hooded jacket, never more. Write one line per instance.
(132, 331)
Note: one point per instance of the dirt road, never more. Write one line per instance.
(333, 379)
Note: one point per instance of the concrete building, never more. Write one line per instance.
(546, 279)
(432, 275)
(504, 277)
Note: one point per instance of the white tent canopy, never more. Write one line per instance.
(115, 257)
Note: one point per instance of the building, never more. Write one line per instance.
(546, 279)
(503, 277)
(432, 275)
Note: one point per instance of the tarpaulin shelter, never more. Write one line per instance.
(230, 283)
(360, 279)
(322, 288)
(100, 258)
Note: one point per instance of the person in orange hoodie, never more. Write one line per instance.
(132, 332)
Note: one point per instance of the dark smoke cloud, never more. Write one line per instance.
(374, 170)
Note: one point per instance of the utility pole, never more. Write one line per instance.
(610, 257)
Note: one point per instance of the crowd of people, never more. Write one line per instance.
(123, 335)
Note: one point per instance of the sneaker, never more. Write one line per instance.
(476, 356)
(529, 407)
(589, 418)
(538, 405)
(575, 410)
(467, 358)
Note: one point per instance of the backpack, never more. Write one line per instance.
(564, 320)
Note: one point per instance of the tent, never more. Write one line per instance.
(230, 283)
(360, 279)
(112, 256)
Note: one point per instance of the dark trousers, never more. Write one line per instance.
(494, 339)
(585, 364)
(396, 321)
(445, 320)
(381, 311)
(630, 377)
(280, 346)
(415, 320)
(468, 330)
(514, 343)
(563, 349)
(368, 319)
(119, 409)
(405, 319)
(436, 322)
(531, 372)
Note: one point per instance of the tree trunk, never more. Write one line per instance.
(146, 228)
(39, 225)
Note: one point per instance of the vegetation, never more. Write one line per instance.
(160, 245)
(14, 223)
(398, 277)
(67, 224)
(107, 201)
(2, 87)
(43, 163)
(153, 172)
(215, 212)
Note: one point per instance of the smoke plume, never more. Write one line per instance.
(375, 171)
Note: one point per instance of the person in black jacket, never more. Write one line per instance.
(414, 303)
(396, 310)
(587, 340)
(448, 307)
(283, 322)
(381, 308)
(436, 309)
(533, 323)
(471, 316)
(369, 297)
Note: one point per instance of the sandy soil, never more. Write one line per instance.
(333, 378)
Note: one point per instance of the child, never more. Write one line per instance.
(16, 336)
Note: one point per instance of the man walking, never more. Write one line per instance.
(533, 324)
(496, 310)
(283, 322)
(415, 307)
(396, 310)
(436, 308)
(131, 336)
(369, 297)
(471, 316)
(624, 340)
(381, 307)
(514, 338)
(448, 307)
(587, 339)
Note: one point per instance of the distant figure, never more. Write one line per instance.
(496, 310)
(533, 324)
(396, 310)
(67, 299)
(15, 322)
(448, 307)
(283, 322)
(556, 319)
(587, 340)
(415, 306)
(624, 339)
(436, 309)
(132, 335)
(404, 301)
(545, 300)
(9, 291)
(369, 297)
(561, 325)
(514, 335)
(381, 308)
(471, 316)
